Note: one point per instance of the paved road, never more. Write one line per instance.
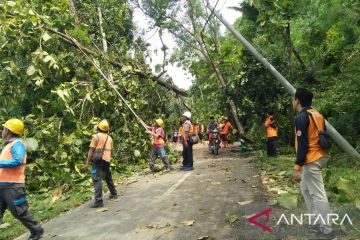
(154, 207)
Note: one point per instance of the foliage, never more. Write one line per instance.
(314, 44)
(51, 86)
(340, 178)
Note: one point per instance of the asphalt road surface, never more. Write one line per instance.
(200, 204)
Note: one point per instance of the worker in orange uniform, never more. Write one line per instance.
(158, 142)
(311, 158)
(12, 178)
(100, 155)
(226, 132)
(271, 134)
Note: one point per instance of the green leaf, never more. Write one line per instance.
(48, 58)
(137, 153)
(288, 200)
(30, 70)
(31, 144)
(46, 37)
(11, 3)
(347, 188)
(126, 68)
(231, 218)
(88, 97)
(5, 225)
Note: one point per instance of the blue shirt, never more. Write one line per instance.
(18, 154)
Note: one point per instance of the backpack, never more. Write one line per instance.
(99, 152)
(324, 138)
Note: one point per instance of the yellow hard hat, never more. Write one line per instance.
(159, 122)
(15, 125)
(104, 125)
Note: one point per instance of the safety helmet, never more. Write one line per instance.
(187, 114)
(103, 125)
(15, 126)
(159, 122)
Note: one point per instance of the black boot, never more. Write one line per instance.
(97, 205)
(37, 235)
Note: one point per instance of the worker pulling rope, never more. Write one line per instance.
(112, 85)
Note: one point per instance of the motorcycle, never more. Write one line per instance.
(214, 142)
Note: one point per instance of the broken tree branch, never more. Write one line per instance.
(140, 73)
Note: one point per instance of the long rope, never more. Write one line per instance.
(111, 84)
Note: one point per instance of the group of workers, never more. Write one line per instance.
(223, 127)
(311, 158)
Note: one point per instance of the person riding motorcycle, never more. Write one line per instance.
(210, 129)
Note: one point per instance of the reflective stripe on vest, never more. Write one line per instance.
(11, 175)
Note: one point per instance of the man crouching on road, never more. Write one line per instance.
(311, 158)
(158, 142)
(12, 178)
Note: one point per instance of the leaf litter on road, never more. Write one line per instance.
(151, 227)
(245, 202)
(206, 238)
(231, 218)
(188, 222)
(102, 210)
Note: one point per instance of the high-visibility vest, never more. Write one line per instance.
(98, 142)
(181, 131)
(191, 129)
(196, 129)
(270, 131)
(159, 140)
(315, 152)
(11, 175)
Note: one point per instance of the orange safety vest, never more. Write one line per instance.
(11, 175)
(181, 131)
(191, 130)
(270, 131)
(227, 128)
(315, 152)
(98, 142)
(196, 129)
(159, 140)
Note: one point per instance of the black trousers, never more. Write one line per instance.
(188, 155)
(271, 146)
(99, 171)
(3, 208)
(15, 200)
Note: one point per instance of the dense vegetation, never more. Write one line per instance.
(47, 81)
(314, 44)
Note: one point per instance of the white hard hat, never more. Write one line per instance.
(187, 114)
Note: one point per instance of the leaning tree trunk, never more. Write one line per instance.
(103, 36)
(73, 10)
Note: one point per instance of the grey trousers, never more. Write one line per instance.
(16, 202)
(99, 171)
(313, 191)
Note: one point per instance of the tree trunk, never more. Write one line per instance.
(73, 10)
(233, 110)
(103, 36)
(220, 77)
